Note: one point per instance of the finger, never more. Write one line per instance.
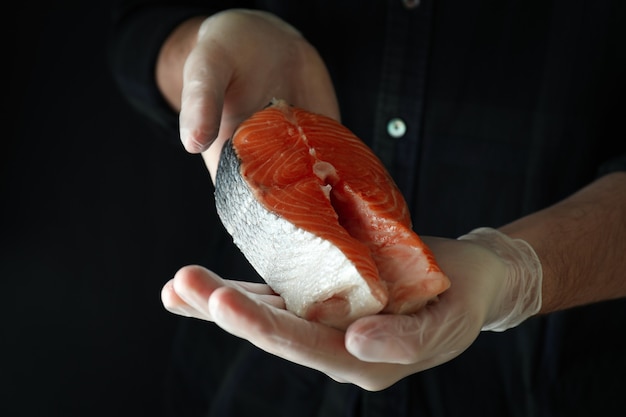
(422, 340)
(310, 344)
(205, 79)
(194, 285)
(174, 304)
(191, 287)
(253, 287)
(435, 334)
(277, 331)
(260, 292)
(384, 338)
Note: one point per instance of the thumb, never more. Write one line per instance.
(205, 79)
(426, 339)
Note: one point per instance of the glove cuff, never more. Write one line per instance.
(520, 297)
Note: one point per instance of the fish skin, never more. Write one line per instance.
(321, 229)
(303, 268)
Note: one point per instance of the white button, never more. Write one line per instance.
(411, 4)
(396, 127)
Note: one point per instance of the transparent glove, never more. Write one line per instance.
(496, 284)
(242, 59)
(520, 293)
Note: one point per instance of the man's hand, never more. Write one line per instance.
(494, 285)
(239, 60)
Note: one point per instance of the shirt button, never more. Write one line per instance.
(396, 128)
(411, 4)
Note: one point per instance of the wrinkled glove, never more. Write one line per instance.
(496, 285)
(520, 294)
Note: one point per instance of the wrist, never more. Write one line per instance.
(520, 294)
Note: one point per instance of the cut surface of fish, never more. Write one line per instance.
(318, 216)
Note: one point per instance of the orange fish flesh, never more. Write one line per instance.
(321, 220)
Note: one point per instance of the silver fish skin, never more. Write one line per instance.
(315, 278)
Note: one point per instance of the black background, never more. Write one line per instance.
(97, 213)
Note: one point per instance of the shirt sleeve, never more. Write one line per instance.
(613, 165)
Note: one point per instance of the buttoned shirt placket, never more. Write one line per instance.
(398, 124)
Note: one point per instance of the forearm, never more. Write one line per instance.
(171, 60)
(581, 242)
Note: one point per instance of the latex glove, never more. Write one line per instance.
(243, 59)
(496, 284)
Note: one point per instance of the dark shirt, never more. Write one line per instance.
(483, 111)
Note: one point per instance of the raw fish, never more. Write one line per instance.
(318, 216)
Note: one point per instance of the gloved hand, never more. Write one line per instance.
(241, 60)
(496, 284)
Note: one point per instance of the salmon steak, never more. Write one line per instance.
(318, 216)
